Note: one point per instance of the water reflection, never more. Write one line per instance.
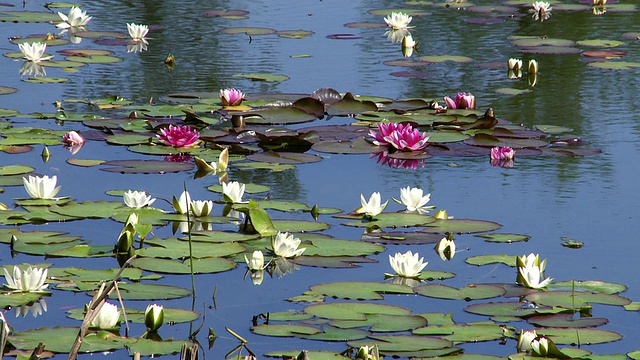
(35, 309)
(30, 68)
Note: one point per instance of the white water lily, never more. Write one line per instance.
(407, 264)
(107, 318)
(515, 64)
(398, 20)
(28, 280)
(41, 187)
(373, 207)
(286, 245)
(181, 205)
(533, 67)
(256, 262)
(542, 10)
(76, 18)
(34, 51)
(446, 248)
(540, 346)
(201, 207)
(531, 276)
(137, 32)
(233, 191)
(154, 317)
(525, 339)
(531, 260)
(137, 199)
(413, 199)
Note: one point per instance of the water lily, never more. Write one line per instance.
(34, 51)
(286, 245)
(446, 248)
(414, 200)
(531, 270)
(533, 67)
(29, 68)
(137, 199)
(201, 207)
(181, 205)
(233, 191)
(365, 353)
(399, 136)
(154, 317)
(408, 45)
(28, 280)
(107, 318)
(540, 346)
(442, 215)
(407, 264)
(499, 153)
(41, 187)
(73, 141)
(463, 101)
(76, 18)
(256, 262)
(542, 10)
(137, 32)
(231, 97)
(398, 20)
(178, 136)
(525, 339)
(373, 207)
(515, 64)
(514, 74)
(599, 2)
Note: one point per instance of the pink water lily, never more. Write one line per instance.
(462, 101)
(73, 141)
(178, 136)
(399, 136)
(231, 97)
(502, 153)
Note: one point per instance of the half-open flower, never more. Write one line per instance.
(231, 97)
(525, 339)
(41, 187)
(446, 248)
(137, 199)
(286, 245)
(463, 101)
(107, 318)
(256, 262)
(515, 64)
(232, 192)
(533, 67)
(76, 18)
(531, 277)
(407, 264)
(502, 153)
(154, 317)
(28, 280)
(414, 200)
(178, 136)
(181, 205)
(373, 207)
(73, 141)
(34, 51)
(201, 207)
(398, 20)
(137, 32)
(542, 10)
(406, 138)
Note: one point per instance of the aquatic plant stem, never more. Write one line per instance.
(193, 278)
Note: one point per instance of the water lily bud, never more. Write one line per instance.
(45, 154)
(132, 219)
(525, 339)
(154, 317)
(533, 67)
(256, 262)
(364, 353)
(125, 240)
(441, 215)
(446, 248)
(515, 64)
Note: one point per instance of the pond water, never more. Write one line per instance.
(592, 199)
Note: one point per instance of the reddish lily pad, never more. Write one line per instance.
(605, 54)
(405, 63)
(278, 115)
(615, 65)
(350, 106)
(557, 50)
(146, 166)
(358, 146)
(343, 37)
(365, 25)
(530, 41)
(600, 43)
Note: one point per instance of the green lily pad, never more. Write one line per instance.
(299, 225)
(263, 77)
(88, 275)
(566, 321)
(273, 167)
(404, 343)
(278, 115)
(18, 298)
(294, 34)
(512, 91)
(285, 206)
(95, 59)
(509, 260)
(383, 323)
(128, 139)
(248, 188)
(35, 237)
(152, 348)
(389, 11)
(60, 339)
(331, 333)
(600, 43)
(85, 162)
(575, 299)
(504, 238)
(552, 129)
(205, 265)
(592, 285)
(29, 16)
(445, 136)
(529, 41)
(357, 146)
(313, 354)
(515, 309)
(353, 311)
(172, 248)
(146, 166)
(248, 31)
(285, 330)
(614, 65)
(284, 158)
(43, 249)
(469, 292)
(389, 220)
(349, 105)
(443, 58)
(5, 90)
(460, 226)
(327, 246)
(360, 290)
(580, 336)
(140, 291)
(460, 333)
(15, 170)
(88, 209)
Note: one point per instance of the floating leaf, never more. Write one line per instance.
(461, 226)
(472, 332)
(443, 58)
(384, 322)
(284, 157)
(5, 90)
(15, 170)
(580, 336)
(509, 260)
(139, 291)
(284, 330)
(152, 348)
(206, 265)
(600, 43)
(571, 243)
(146, 166)
(327, 246)
(575, 299)
(88, 209)
(353, 311)
(389, 220)
(566, 321)
(404, 343)
(614, 65)
(172, 248)
(469, 292)
(599, 286)
(248, 31)
(263, 77)
(504, 238)
(60, 339)
(360, 290)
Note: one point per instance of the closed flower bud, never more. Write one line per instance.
(154, 317)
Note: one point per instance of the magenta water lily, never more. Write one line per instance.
(463, 101)
(231, 97)
(399, 136)
(502, 156)
(178, 136)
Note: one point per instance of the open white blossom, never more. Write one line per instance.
(137, 199)
(233, 191)
(107, 318)
(286, 245)
(28, 280)
(407, 264)
(398, 20)
(137, 32)
(201, 207)
(34, 51)
(76, 18)
(373, 207)
(414, 200)
(41, 187)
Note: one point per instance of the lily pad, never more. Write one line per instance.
(599, 286)
(459, 333)
(509, 260)
(151, 348)
(504, 238)
(404, 343)
(600, 43)
(383, 323)
(285, 330)
(566, 321)
(580, 336)
(140, 291)
(469, 292)
(614, 65)
(263, 77)
(360, 290)
(443, 58)
(327, 246)
(146, 166)
(15, 170)
(206, 265)
(175, 249)
(60, 339)
(88, 209)
(460, 226)
(353, 311)
(284, 157)
(5, 90)
(575, 299)
(248, 31)
(389, 220)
